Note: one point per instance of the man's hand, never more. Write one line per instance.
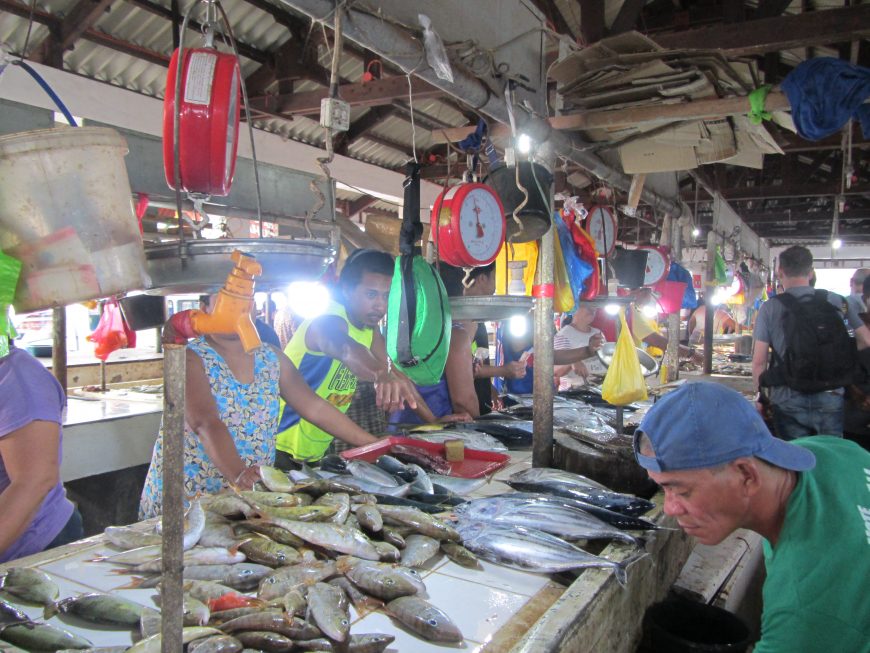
(514, 370)
(580, 369)
(595, 343)
(249, 476)
(392, 392)
(455, 417)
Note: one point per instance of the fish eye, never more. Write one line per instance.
(389, 581)
(281, 557)
(344, 622)
(432, 622)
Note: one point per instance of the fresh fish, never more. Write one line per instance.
(391, 465)
(93, 649)
(514, 434)
(323, 485)
(149, 623)
(260, 640)
(424, 619)
(42, 637)
(361, 601)
(373, 473)
(299, 513)
(369, 518)
(574, 486)
(338, 500)
(223, 616)
(438, 499)
(364, 485)
(274, 499)
(420, 521)
(274, 533)
(293, 602)
(243, 576)
(381, 580)
(194, 525)
(530, 550)
(285, 579)
(194, 612)
(217, 532)
(228, 505)
(266, 552)
(333, 463)
(133, 557)
(105, 609)
(617, 519)
(419, 456)
(430, 508)
(274, 479)
(457, 485)
(418, 550)
(330, 610)
(365, 643)
(330, 536)
(421, 483)
(232, 600)
(460, 555)
(153, 644)
(125, 537)
(387, 552)
(199, 555)
(565, 522)
(29, 585)
(9, 614)
(208, 591)
(275, 622)
(217, 644)
(392, 536)
(472, 439)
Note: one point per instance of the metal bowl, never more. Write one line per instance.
(489, 309)
(648, 364)
(208, 263)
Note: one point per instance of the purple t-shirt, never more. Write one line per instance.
(28, 393)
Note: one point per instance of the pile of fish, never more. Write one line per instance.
(534, 529)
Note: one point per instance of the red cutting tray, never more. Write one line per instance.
(476, 464)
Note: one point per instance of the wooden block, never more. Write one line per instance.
(454, 450)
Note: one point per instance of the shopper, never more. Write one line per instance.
(579, 333)
(805, 381)
(35, 513)
(721, 469)
(856, 296)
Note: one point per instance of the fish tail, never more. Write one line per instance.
(51, 609)
(98, 559)
(135, 582)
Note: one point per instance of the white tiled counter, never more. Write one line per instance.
(496, 608)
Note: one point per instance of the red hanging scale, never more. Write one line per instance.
(208, 117)
(468, 225)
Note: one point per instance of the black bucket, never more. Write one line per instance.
(535, 215)
(678, 625)
(629, 266)
(144, 311)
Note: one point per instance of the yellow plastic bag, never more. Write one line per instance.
(563, 298)
(624, 382)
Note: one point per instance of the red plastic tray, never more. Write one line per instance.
(476, 464)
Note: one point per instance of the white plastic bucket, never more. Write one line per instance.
(66, 213)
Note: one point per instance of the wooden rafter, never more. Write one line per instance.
(77, 21)
(592, 26)
(627, 17)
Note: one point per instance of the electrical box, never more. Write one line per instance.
(335, 114)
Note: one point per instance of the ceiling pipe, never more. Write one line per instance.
(405, 51)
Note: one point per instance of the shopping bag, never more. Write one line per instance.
(624, 382)
(112, 332)
(563, 297)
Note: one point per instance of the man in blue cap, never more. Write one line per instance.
(721, 469)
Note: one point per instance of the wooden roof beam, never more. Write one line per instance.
(786, 191)
(627, 17)
(592, 26)
(83, 15)
(812, 28)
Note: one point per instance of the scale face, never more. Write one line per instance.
(481, 225)
(657, 265)
(601, 225)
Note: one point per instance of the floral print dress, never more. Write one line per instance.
(250, 412)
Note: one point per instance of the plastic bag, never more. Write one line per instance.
(624, 382)
(436, 55)
(578, 269)
(112, 332)
(563, 297)
(10, 269)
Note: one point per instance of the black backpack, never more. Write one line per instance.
(819, 352)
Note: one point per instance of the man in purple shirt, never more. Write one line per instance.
(34, 512)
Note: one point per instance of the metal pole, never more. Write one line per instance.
(542, 406)
(710, 310)
(171, 593)
(102, 376)
(673, 352)
(394, 44)
(58, 345)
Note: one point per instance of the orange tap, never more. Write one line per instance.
(232, 310)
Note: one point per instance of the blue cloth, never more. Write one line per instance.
(507, 353)
(267, 334)
(678, 273)
(800, 415)
(824, 93)
(437, 398)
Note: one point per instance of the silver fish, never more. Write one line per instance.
(472, 439)
(330, 536)
(424, 619)
(9, 614)
(339, 500)
(530, 550)
(418, 550)
(372, 473)
(369, 518)
(199, 555)
(126, 537)
(421, 483)
(365, 485)
(457, 485)
(387, 552)
(330, 610)
(29, 585)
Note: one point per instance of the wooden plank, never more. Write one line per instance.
(591, 21)
(808, 29)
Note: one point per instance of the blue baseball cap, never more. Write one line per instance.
(704, 425)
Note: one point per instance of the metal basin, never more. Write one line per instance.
(489, 309)
(208, 263)
(648, 364)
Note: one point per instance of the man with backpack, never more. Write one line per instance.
(801, 333)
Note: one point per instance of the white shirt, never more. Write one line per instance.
(570, 338)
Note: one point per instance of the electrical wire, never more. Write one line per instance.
(413, 126)
(29, 29)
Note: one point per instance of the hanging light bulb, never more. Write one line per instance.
(836, 243)
(308, 299)
(518, 326)
(696, 232)
(524, 144)
(611, 309)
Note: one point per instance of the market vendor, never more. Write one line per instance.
(35, 513)
(578, 333)
(721, 469)
(333, 350)
(231, 416)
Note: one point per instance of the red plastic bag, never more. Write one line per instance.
(112, 331)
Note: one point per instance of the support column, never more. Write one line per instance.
(542, 407)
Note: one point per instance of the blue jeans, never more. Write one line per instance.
(73, 531)
(808, 414)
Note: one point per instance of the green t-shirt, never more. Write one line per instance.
(817, 592)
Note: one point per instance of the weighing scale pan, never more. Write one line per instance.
(489, 309)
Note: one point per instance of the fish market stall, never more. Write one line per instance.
(487, 607)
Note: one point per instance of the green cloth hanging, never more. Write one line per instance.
(10, 270)
(757, 98)
(720, 270)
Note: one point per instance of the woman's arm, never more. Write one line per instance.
(204, 420)
(316, 410)
(30, 456)
(460, 375)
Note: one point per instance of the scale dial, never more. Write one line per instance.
(470, 225)
(601, 225)
(657, 265)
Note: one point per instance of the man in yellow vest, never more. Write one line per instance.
(335, 349)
